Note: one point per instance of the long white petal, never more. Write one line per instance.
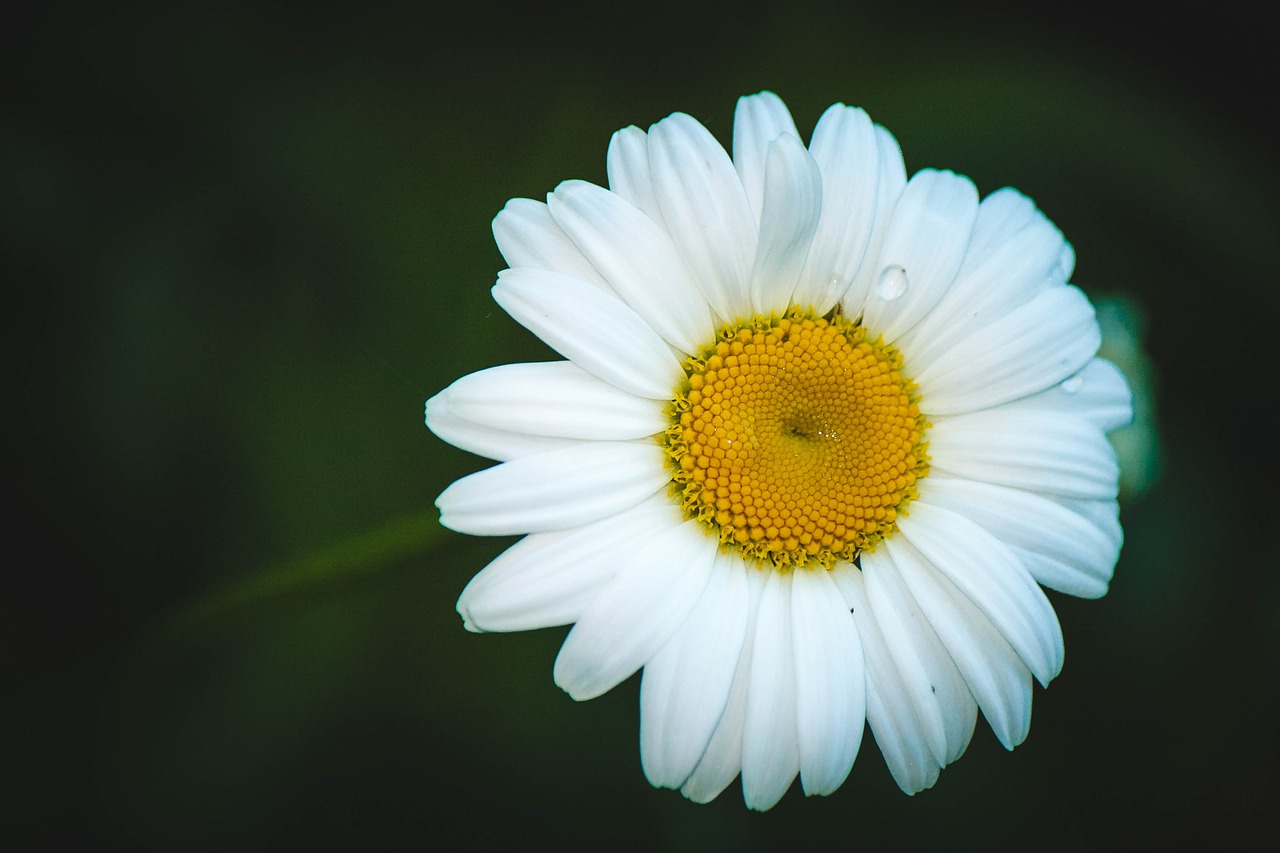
(890, 184)
(593, 329)
(770, 750)
(994, 672)
(1033, 347)
(922, 250)
(831, 697)
(792, 204)
(636, 612)
(527, 236)
(1062, 549)
(548, 579)
(758, 120)
(706, 211)
(636, 256)
(685, 687)
(1040, 451)
(627, 165)
(554, 398)
(488, 442)
(555, 490)
(984, 570)
(1098, 392)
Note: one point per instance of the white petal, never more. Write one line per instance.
(554, 398)
(636, 612)
(593, 329)
(527, 236)
(831, 698)
(942, 701)
(548, 579)
(1098, 392)
(991, 668)
(685, 687)
(555, 490)
(757, 121)
(922, 250)
(1013, 257)
(770, 750)
(847, 151)
(891, 710)
(1062, 549)
(792, 203)
(891, 182)
(990, 575)
(628, 170)
(722, 760)
(484, 441)
(1040, 451)
(1033, 347)
(706, 211)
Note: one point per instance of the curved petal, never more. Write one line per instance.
(594, 330)
(1040, 451)
(636, 256)
(627, 166)
(637, 612)
(685, 687)
(770, 751)
(985, 571)
(1033, 347)
(554, 398)
(1062, 549)
(892, 182)
(706, 211)
(548, 579)
(831, 697)
(722, 761)
(996, 676)
(923, 247)
(488, 442)
(758, 120)
(792, 203)
(527, 236)
(1098, 392)
(555, 490)
(891, 711)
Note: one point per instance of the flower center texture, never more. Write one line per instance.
(796, 439)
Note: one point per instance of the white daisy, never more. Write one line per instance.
(820, 436)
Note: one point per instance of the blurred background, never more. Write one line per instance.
(246, 243)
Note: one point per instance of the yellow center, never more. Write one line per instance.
(796, 440)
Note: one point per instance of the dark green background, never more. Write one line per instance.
(246, 244)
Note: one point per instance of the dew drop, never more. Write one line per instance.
(892, 283)
(1072, 384)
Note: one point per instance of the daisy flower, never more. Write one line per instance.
(820, 436)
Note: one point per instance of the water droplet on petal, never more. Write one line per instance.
(892, 283)
(1072, 384)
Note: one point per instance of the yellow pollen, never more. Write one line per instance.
(796, 440)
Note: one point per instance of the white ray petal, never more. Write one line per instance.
(636, 612)
(593, 329)
(685, 687)
(1040, 451)
(527, 236)
(554, 398)
(636, 256)
(488, 442)
(627, 166)
(1098, 392)
(993, 671)
(830, 678)
(792, 204)
(548, 579)
(554, 490)
(758, 120)
(706, 211)
(770, 750)
(1034, 347)
(891, 183)
(923, 247)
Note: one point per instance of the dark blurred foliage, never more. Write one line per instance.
(244, 243)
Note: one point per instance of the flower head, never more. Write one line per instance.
(820, 436)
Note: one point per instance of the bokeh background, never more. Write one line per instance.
(246, 243)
